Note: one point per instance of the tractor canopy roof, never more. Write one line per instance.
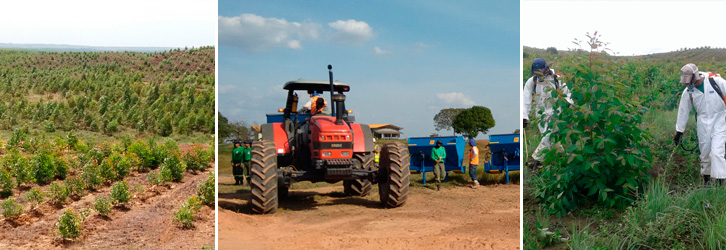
(319, 86)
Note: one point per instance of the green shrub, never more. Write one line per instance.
(185, 215)
(158, 151)
(19, 166)
(58, 193)
(6, 183)
(97, 155)
(91, 176)
(43, 169)
(72, 140)
(121, 165)
(154, 178)
(175, 166)
(75, 187)
(49, 126)
(196, 159)
(599, 151)
(61, 168)
(16, 138)
(126, 142)
(102, 206)
(106, 170)
(69, 224)
(11, 210)
(145, 155)
(112, 127)
(120, 193)
(35, 196)
(205, 190)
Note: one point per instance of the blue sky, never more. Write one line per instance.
(404, 60)
(129, 23)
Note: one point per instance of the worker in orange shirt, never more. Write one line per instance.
(473, 162)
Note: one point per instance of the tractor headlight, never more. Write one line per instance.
(327, 153)
(347, 137)
(345, 153)
(322, 137)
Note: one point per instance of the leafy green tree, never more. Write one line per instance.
(472, 121)
(444, 119)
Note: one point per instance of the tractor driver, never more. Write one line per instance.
(318, 105)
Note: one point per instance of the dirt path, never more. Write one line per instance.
(323, 218)
(146, 222)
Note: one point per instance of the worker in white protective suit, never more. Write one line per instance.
(704, 92)
(539, 87)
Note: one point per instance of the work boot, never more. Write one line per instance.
(706, 179)
(438, 185)
(476, 183)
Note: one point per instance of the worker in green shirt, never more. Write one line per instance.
(438, 154)
(247, 159)
(237, 159)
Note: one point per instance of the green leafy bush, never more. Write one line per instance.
(19, 166)
(196, 159)
(154, 178)
(72, 140)
(11, 209)
(58, 193)
(106, 170)
(599, 152)
(6, 183)
(75, 187)
(61, 168)
(120, 193)
(185, 215)
(49, 126)
(205, 191)
(35, 196)
(43, 169)
(121, 165)
(69, 224)
(16, 138)
(91, 176)
(102, 205)
(145, 155)
(175, 166)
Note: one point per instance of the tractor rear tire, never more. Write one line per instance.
(359, 187)
(395, 170)
(263, 184)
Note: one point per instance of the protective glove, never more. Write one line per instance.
(677, 139)
(525, 122)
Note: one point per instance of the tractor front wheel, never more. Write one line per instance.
(394, 167)
(263, 185)
(359, 187)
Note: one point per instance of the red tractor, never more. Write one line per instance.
(298, 146)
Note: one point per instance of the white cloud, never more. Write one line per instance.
(351, 32)
(380, 51)
(455, 99)
(256, 33)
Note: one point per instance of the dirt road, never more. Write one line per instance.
(323, 218)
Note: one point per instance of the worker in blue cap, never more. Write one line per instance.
(473, 162)
(438, 154)
(541, 88)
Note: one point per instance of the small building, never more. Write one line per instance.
(386, 131)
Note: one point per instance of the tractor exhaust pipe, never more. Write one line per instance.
(332, 89)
